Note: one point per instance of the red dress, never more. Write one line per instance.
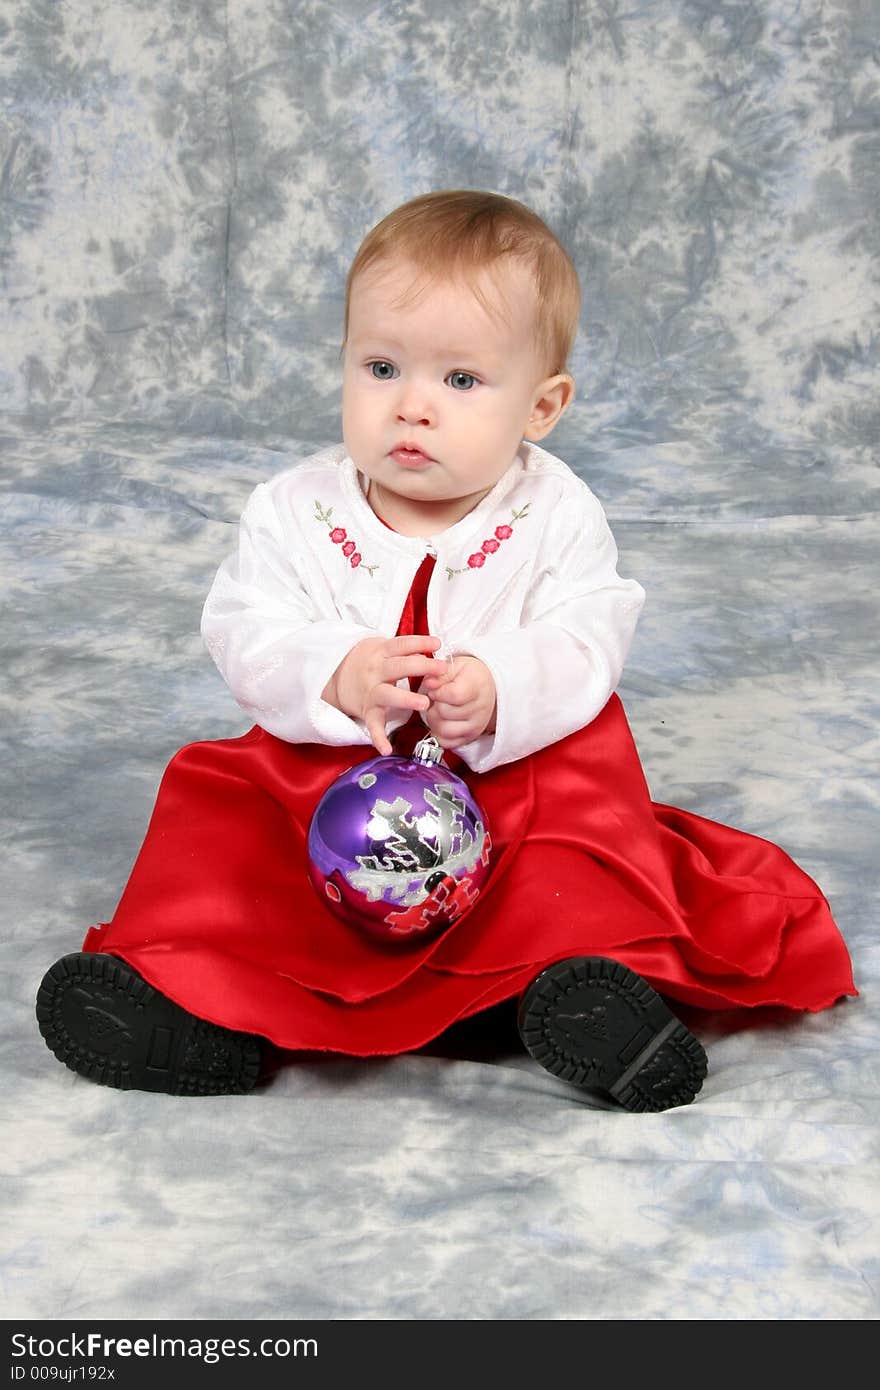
(219, 913)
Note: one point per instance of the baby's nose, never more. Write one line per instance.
(415, 404)
(417, 416)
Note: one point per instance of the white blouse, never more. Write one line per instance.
(527, 582)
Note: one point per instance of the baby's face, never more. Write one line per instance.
(441, 374)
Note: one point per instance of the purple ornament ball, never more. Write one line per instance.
(399, 847)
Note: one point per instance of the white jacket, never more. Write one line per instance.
(527, 582)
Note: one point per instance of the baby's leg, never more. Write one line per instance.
(102, 1019)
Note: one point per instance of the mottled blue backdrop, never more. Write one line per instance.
(182, 189)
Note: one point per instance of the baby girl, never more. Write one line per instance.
(438, 570)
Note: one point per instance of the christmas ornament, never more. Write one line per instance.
(398, 846)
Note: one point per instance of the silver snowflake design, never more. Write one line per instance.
(416, 846)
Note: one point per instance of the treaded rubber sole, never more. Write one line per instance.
(103, 1021)
(599, 1025)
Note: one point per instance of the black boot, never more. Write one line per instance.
(102, 1019)
(599, 1025)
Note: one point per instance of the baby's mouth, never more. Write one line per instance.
(411, 458)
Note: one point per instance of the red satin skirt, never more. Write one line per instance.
(219, 913)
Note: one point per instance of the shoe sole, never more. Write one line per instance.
(103, 1021)
(599, 1025)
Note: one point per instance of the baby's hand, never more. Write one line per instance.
(463, 702)
(363, 685)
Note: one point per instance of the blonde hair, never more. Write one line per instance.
(457, 233)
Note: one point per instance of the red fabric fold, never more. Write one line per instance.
(219, 913)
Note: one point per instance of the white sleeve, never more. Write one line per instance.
(557, 669)
(273, 649)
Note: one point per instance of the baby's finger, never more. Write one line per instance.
(397, 667)
(378, 737)
(431, 683)
(452, 735)
(444, 710)
(386, 696)
(455, 692)
(413, 642)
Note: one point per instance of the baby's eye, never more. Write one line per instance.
(467, 376)
(381, 364)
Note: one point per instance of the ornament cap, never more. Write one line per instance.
(428, 750)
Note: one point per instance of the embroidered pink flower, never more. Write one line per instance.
(490, 545)
(339, 536)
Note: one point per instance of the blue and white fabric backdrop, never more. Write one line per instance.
(183, 189)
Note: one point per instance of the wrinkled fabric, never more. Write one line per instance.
(220, 915)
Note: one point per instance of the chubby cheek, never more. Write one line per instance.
(359, 430)
(485, 437)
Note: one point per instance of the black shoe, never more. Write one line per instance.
(599, 1025)
(102, 1019)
